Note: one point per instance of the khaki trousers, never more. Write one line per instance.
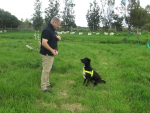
(47, 62)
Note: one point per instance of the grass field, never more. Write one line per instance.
(124, 65)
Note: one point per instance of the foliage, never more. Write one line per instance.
(27, 22)
(52, 10)
(123, 6)
(8, 20)
(147, 8)
(111, 30)
(93, 16)
(107, 13)
(68, 15)
(117, 22)
(121, 14)
(125, 30)
(131, 5)
(37, 16)
(100, 29)
(148, 27)
(138, 17)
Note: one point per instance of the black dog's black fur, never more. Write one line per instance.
(95, 78)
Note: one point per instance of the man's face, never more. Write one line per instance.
(56, 24)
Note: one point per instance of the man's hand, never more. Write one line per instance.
(54, 52)
(44, 43)
(58, 37)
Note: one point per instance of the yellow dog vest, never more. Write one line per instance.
(90, 72)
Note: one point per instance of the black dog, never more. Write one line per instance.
(89, 74)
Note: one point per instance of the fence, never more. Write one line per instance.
(20, 27)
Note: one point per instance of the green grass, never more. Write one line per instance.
(123, 65)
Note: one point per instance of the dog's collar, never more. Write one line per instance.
(90, 72)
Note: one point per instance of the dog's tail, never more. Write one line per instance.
(103, 81)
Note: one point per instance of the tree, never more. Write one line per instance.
(27, 22)
(68, 15)
(138, 17)
(132, 5)
(8, 20)
(121, 10)
(14, 21)
(52, 10)
(93, 16)
(107, 12)
(117, 22)
(37, 16)
(147, 8)
(74, 25)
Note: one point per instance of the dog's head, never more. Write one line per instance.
(86, 61)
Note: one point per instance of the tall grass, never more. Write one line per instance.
(123, 65)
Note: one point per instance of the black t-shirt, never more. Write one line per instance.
(49, 33)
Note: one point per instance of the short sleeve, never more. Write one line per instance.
(45, 34)
(56, 32)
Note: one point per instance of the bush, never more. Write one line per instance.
(125, 30)
(100, 29)
(111, 30)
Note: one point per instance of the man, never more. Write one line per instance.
(48, 50)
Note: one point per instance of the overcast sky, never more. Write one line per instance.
(25, 8)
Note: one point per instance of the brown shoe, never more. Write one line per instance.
(47, 91)
(51, 86)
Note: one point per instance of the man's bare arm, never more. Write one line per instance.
(44, 43)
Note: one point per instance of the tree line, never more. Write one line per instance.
(52, 10)
(6, 19)
(109, 16)
(103, 14)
